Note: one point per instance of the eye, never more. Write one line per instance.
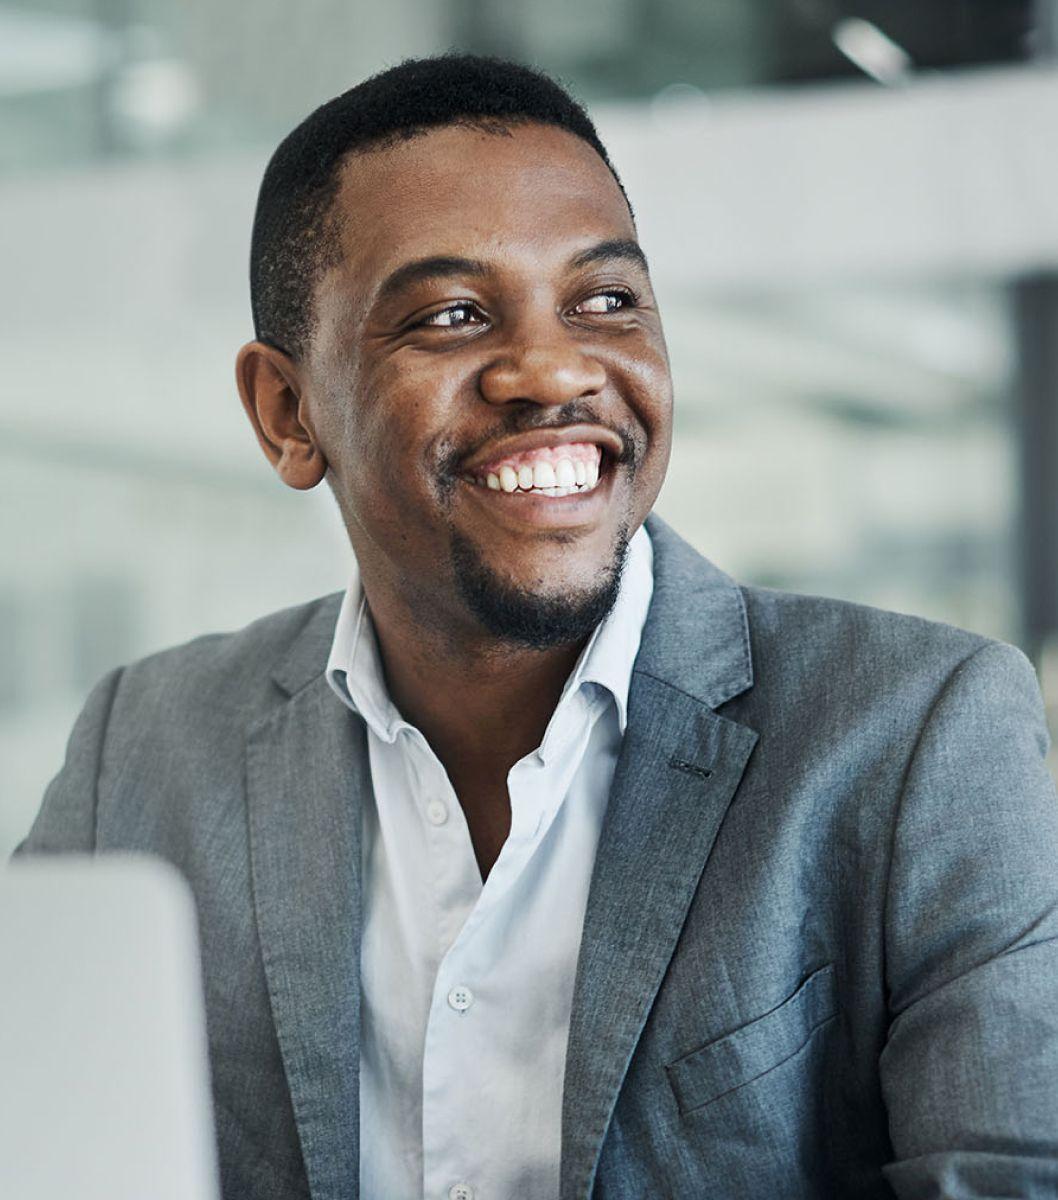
(606, 302)
(455, 316)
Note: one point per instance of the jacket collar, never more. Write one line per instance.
(697, 634)
(306, 657)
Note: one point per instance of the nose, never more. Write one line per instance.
(546, 365)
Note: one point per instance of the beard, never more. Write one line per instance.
(526, 618)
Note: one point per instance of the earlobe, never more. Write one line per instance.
(271, 393)
(301, 466)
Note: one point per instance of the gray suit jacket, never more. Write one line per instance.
(820, 955)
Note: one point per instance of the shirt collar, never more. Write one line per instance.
(611, 650)
(354, 668)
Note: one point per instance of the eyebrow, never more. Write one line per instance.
(419, 270)
(619, 248)
(448, 266)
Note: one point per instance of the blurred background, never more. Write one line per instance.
(851, 209)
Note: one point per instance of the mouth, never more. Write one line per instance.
(540, 507)
(569, 470)
(551, 464)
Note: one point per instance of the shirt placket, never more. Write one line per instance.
(457, 890)
(465, 1005)
(458, 1055)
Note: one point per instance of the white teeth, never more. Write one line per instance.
(544, 475)
(563, 478)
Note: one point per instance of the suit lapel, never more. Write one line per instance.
(679, 767)
(306, 774)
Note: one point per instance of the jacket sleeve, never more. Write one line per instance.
(67, 817)
(970, 1066)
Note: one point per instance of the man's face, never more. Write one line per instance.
(488, 380)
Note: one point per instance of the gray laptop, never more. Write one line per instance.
(104, 1087)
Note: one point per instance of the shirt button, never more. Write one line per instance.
(461, 998)
(437, 812)
(460, 1191)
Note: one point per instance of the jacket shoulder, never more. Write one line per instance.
(846, 695)
(827, 650)
(834, 625)
(221, 675)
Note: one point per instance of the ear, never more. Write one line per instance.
(270, 389)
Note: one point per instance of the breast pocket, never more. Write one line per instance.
(754, 1049)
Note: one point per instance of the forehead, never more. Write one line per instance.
(532, 193)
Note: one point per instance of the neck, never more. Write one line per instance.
(481, 704)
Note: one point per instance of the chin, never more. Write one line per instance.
(524, 615)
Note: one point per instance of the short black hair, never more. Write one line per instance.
(294, 237)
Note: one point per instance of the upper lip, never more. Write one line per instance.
(536, 439)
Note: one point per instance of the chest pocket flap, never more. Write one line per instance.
(754, 1049)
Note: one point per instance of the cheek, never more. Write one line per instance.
(646, 386)
(398, 420)
(653, 385)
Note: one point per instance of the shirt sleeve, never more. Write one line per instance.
(67, 817)
(969, 1071)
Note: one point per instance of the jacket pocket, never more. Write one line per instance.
(754, 1049)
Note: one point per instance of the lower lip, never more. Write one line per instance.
(543, 512)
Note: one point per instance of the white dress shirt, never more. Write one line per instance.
(466, 989)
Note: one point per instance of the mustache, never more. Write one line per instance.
(519, 419)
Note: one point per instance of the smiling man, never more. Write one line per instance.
(548, 860)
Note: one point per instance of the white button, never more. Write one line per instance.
(437, 812)
(460, 1191)
(461, 998)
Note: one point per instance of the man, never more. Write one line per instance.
(548, 861)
